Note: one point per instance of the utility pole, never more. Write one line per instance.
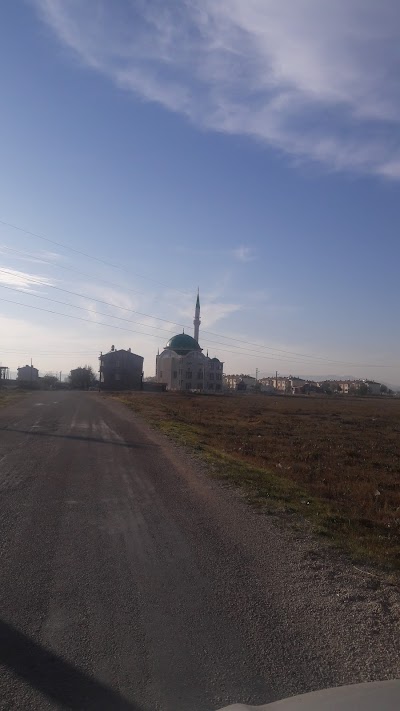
(60, 376)
(276, 380)
(31, 374)
(101, 369)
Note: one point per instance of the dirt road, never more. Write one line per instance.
(130, 580)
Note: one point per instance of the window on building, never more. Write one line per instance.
(117, 376)
(199, 386)
(188, 386)
(188, 374)
(175, 374)
(199, 374)
(211, 386)
(160, 373)
(211, 376)
(218, 386)
(218, 376)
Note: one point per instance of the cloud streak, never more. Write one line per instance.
(315, 79)
(22, 280)
(244, 254)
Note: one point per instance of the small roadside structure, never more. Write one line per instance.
(120, 370)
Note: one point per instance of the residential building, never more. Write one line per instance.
(28, 374)
(4, 372)
(369, 387)
(283, 384)
(182, 364)
(240, 382)
(120, 370)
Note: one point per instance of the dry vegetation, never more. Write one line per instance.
(7, 397)
(336, 460)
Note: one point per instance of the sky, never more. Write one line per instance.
(246, 147)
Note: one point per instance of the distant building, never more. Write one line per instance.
(373, 387)
(182, 364)
(240, 382)
(369, 387)
(120, 370)
(345, 386)
(4, 372)
(28, 374)
(283, 384)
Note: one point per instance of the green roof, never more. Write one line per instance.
(182, 343)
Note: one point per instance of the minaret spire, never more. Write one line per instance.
(196, 321)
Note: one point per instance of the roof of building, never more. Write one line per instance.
(182, 343)
(114, 353)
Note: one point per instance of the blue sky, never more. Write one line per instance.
(249, 147)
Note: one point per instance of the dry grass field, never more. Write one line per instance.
(7, 397)
(335, 460)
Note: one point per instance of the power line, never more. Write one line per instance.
(90, 256)
(44, 353)
(93, 277)
(77, 318)
(85, 309)
(122, 328)
(33, 280)
(70, 269)
(306, 357)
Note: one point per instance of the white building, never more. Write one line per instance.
(183, 366)
(233, 381)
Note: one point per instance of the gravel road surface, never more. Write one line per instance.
(130, 580)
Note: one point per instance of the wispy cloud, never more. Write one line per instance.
(212, 312)
(244, 254)
(42, 257)
(239, 254)
(313, 78)
(22, 280)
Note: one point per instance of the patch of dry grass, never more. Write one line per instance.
(337, 460)
(7, 397)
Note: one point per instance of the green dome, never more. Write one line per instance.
(183, 344)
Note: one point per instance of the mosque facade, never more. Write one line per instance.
(182, 364)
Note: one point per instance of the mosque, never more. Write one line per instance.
(183, 366)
